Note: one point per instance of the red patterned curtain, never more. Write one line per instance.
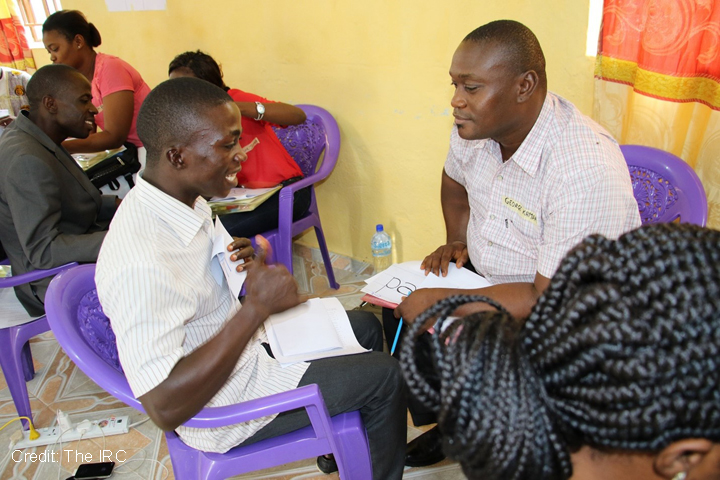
(14, 49)
(658, 81)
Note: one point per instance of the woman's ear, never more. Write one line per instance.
(78, 41)
(681, 456)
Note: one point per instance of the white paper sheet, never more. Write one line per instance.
(318, 328)
(397, 281)
(461, 278)
(401, 279)
(241, 193)
(221, 239)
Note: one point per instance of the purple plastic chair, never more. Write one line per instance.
(16, 329)
(85, 334)
(665, 187)
(306, 143)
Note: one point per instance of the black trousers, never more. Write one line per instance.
(370, 382)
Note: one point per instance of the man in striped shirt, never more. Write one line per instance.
(183, 339)
(527, 178)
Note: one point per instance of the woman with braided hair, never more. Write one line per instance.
(614, 375)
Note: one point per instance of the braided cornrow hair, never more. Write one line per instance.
(620, 353)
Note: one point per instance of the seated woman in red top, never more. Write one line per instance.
(268, 162)
(118, 90)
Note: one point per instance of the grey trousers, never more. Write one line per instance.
(370, 382)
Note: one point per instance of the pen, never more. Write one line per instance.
(397, 335)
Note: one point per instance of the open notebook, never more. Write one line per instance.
(318, 328)
(387, 288)
(241, 199)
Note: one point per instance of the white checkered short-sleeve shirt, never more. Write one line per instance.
(567, 180)
(155, 284)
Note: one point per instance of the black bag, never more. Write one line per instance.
(122, 164)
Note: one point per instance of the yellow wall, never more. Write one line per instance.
(379, 66)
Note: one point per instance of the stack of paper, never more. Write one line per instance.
(318, 328)
(241, 200)
(221, 265)
(388, 287)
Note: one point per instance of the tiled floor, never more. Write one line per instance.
(58, 384)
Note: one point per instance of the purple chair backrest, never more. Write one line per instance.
(665, 187)
(304, 142)
(96, 330)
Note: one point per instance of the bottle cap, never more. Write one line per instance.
(379, 227)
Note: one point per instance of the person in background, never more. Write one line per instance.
(268, 162)
(50, 212)
(118, 89)
(613, 375)
(13, 84)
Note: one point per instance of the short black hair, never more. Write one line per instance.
(202, 65)
(519, 42)
(50, 80)
(70, 23)
(171, 111)
(620, 353)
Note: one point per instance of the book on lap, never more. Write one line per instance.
(89, 160)
(241, 199)
(318, 328)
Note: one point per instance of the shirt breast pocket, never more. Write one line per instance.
(527, 237)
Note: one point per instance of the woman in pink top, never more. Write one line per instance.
(118, 89)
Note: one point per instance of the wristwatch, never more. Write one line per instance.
(260, 110)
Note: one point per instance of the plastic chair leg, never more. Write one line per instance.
(27, 362)
(186, 461)
(351, 438)
(16, 361)
(326, 258)
(12, 367)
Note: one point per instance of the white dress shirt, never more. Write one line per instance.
(155, 284)
(567, 180)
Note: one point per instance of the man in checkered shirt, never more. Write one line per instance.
(527, 178)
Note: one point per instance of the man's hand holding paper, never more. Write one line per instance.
(269, 289)
(241, 251)
(440, 260)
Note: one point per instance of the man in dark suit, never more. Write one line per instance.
(50, 212)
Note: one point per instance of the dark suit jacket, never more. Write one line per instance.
(50, 213)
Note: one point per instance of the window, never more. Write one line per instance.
(593, 31)
(33, 14)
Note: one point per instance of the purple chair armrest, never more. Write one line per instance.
(16, 280)
(213, 417)
(299, 185)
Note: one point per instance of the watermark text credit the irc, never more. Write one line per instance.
(118, 456)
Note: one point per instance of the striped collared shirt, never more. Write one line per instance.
(567, 180)
(156, 284)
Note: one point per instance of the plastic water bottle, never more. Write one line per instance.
(381, 246)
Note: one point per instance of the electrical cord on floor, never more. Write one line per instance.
(138, 423)
(34, 434)
(60, 440)
(142, 460)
